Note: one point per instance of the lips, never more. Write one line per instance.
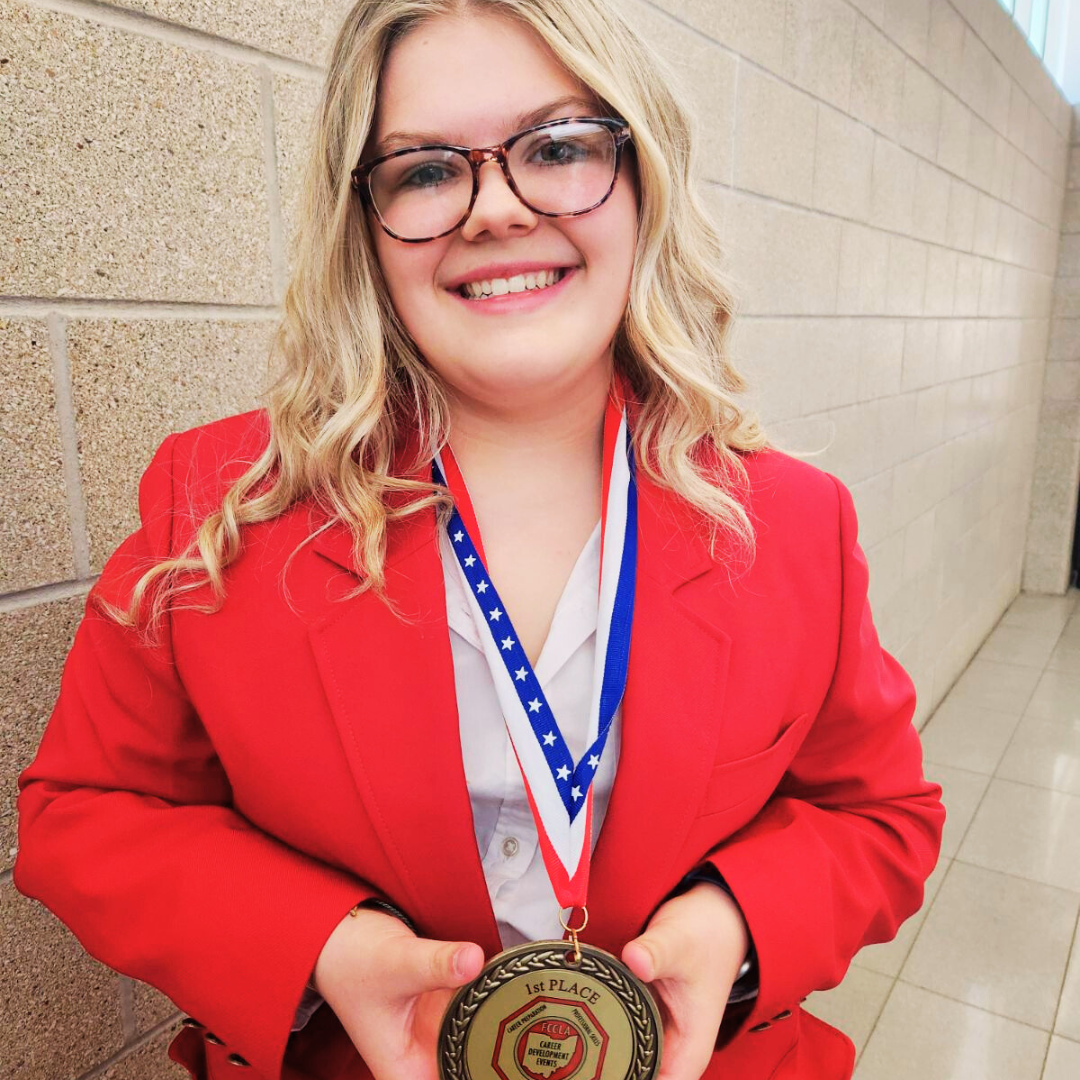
(516, 302)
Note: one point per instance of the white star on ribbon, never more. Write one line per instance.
(593, 761)
(562, 772)
(494, 614)
(520, 674)
(470, 559)
(458, 536)
(482, 587)
(507, 643)
(575, 792)
(549, 739)
(534, 705)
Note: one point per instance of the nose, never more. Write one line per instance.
(497, 209)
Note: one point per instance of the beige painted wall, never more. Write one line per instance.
(890, 175)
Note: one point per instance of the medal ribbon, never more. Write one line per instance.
(558, 788)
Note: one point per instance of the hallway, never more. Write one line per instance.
(984, 982)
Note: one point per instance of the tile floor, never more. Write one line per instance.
(984, 982)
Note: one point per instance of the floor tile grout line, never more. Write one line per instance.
(896, 977)
(956, 859)
(877, 1018)
(1015, 876)
(972, 1005)
(1073, 964)
(982, 798)
(1027, 705)
(953, 860)
(1023, 713)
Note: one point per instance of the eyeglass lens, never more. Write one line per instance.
(564, 168)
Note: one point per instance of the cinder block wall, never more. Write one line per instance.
(889, 174)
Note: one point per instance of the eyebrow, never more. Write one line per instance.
(396, 139)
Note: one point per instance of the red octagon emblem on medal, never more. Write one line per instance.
(560, 1040)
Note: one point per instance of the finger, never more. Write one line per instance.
(692, 1016)
(687, 1050)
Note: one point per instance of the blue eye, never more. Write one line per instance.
(428, 175)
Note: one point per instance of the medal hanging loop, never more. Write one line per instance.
(573, 931)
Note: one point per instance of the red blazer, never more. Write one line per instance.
(203, 813)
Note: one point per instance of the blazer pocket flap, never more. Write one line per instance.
(734, 782)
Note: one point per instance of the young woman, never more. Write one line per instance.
(326, 707)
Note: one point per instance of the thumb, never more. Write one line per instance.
(654, 954)
(436, 965)
(641, 956)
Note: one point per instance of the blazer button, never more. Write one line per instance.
(236, 1059)
(211, 1037)
(191, 1022)
(762, 1026)
(782, 1015)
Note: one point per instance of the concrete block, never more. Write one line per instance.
(134, 383)
(35, 527)
(136, 167)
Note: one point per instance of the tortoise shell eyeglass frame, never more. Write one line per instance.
(476, 156)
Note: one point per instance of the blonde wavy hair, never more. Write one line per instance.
(351, 372)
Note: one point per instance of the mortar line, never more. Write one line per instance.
(279, 270)
(125, 308)
(69, 444)
(151, 26)
(45, 594)
(126, 992)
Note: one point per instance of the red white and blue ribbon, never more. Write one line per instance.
(559, 789)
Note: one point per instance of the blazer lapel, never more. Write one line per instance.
(674, 697)
(390, 684)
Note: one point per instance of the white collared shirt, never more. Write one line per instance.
(521, 895)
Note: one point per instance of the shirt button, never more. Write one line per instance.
(510, 846)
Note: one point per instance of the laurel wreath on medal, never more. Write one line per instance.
(459, 1016)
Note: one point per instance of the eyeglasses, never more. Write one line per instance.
(560, 168)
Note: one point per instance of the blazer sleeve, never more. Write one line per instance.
(127, 832)
(838, 856)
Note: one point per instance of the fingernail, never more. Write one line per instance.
(457, 962)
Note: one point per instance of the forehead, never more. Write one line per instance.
(468, 80)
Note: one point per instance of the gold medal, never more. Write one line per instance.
(552, 1010)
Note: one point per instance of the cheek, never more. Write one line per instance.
(409, 273)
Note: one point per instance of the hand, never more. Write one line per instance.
(690, 953)
(390, 989)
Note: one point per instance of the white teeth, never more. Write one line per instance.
(518, 283)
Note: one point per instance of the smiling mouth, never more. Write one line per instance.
(519, 283)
